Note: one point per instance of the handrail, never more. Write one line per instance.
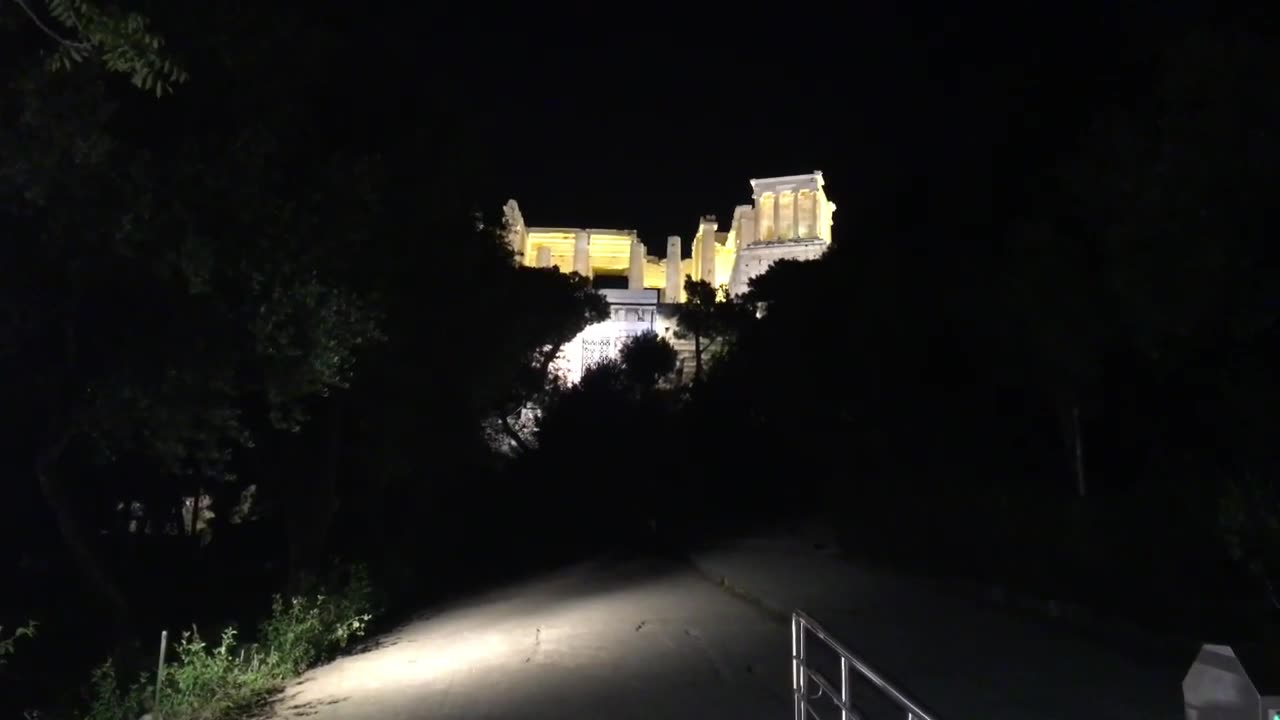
(801, 674)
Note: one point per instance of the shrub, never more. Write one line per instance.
(305, 629)
(215, 682)
(108, 701)
(207, 682)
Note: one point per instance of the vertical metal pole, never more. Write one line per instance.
(796, 669)
(844, 688)
(804, 679)
(164, 643)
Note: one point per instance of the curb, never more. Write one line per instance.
(975, 591)
(1038, 606)
(1017, 600)
(1080, 618)
(775, 613)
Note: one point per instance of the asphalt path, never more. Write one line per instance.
(646, 638)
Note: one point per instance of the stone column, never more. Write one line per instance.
(582, 253)
(777, 216)
(795, 214)
(817, 214)
(695, 256)
(747, 232)
(544, 257)
(707, 261)
(674, 281)
(635, 271)
(757, 213)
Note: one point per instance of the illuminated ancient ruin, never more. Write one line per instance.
(790, 218)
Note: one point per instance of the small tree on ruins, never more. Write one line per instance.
(711, 318)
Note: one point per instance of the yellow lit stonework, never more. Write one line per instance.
(655, 273)
(790, 217)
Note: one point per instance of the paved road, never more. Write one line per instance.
(609, 639)
(962, 656)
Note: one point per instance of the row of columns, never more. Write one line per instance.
(795, 214)
(582, 258)
(706, 260)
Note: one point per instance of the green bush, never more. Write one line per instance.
(7, 644)
(305, 629)
(212, 682)
(109, 701)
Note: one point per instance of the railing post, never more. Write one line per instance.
(798, 673)
(804, 677)
(802, 625)
(795, 670)
(844, 688)
(164, 644)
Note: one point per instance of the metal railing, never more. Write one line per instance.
(801, 675)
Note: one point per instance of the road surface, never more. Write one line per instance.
(607, 639)
(957, 653)
(654, 639)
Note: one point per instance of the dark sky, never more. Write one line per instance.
(630, 121)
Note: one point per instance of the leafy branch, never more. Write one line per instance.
(121, 40)
(7, 643)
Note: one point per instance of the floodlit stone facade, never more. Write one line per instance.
(790, 218)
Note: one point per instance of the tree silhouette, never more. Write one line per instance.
(646, 359)
(711, 319)
(154, 302)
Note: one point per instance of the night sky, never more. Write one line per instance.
(640, 125)
(648, 121)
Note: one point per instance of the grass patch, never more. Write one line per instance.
(229, 679)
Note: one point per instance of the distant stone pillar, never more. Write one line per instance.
(635, 271)
(817, 214)
(582, 253)
(695, 255)
(747, 233)
(707, 262)
(795, 214)
(674, 280)
(777, 216)
(544, 257)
